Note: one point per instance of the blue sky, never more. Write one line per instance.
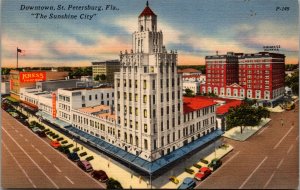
(195, 28)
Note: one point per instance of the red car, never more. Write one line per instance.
(100, 175)
(202, 174)
(55, 144)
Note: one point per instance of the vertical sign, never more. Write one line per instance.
(10, 84)
(53, 105)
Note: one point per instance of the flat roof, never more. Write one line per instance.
(107, 116)
(93, 109)
(87, 88)
(191, 104)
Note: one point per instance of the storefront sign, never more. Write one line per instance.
(32, 76)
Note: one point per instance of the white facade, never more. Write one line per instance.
(75, 98)
(194, 86)
(5, 88)
(149, 106)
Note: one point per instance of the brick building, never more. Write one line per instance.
(237, 75)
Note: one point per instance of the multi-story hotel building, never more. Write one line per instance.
(149, 104)
(237, 75)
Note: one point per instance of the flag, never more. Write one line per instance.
(22, 52)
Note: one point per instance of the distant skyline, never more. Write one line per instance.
(195, 28)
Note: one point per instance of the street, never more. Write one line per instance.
(30, 162)
(269, 159)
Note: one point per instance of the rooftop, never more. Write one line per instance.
(191, 104)
(147, 11)
(94, 109)
(203, 101)
(87, 88)
(188, 70)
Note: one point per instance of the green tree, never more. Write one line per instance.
(113, 184)
(245, 115)
(262, 112)
(103, 77)
(293, 82)
(97, 78)
(189, 92)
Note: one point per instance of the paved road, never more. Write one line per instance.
(269, 159)
(30, 162)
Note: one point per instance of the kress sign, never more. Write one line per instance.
(32, 76)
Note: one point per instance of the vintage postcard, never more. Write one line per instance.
(148, 94)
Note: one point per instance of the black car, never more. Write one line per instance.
(73, 156)
(41, 134)
(215, 164)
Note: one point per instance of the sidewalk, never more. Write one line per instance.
(235, 133)
(219, 153)
(129, 179)
(276, 109)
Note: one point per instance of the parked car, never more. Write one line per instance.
(188, 183)
(100, 175)
(64, 149)
(85, 165)
(174, 179)
(73, 156)
(202, 174)
(215, 164)
(55, 144)
(35, 129)
(41, 133)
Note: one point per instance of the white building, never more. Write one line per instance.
(192, 85)
(75, 98)
(5, 88)
(149, 104)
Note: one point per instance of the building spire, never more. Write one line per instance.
(147, 4)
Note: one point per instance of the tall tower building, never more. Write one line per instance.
(148, 93)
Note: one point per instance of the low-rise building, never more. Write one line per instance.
(75, 98)
(23, 79)
(192, 85)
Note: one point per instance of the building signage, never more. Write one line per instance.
(54, 105)
(32, 76)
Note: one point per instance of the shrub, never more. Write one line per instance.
(64, 142)
(197, 166)
(82, 154)
(188, 170)
(204, 161)
(75, 149)
(89, 158)
(113, 184)
(55, 136)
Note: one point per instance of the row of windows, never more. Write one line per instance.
(167, 84)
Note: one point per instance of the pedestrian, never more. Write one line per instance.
(281, 122)
(81, 147)
(140, 179)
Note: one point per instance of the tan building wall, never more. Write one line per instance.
(108, 68)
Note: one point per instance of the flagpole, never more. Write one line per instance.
(17, 57)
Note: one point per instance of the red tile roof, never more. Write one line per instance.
(225, 108)
(198, 102)
(147, 12)
(191, 104)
